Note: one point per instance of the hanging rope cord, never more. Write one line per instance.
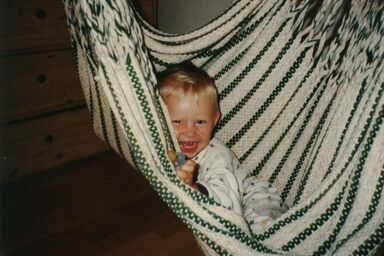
(302, 107)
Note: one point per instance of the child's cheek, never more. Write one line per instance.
(176, 129)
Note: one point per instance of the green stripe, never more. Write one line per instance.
(307, 172)
(351, 115)
(235, 40)
(372, 209)
(242, 34)
(266, 157)
(324, 217)
(268, 129)
(248, 95)
(375, 239)
(299, 133)
(299, 213)
(298, 166)
(238, 135)
(357, 175)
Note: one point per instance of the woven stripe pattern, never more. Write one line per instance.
(301, 93)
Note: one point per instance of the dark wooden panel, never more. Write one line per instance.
(97, 206)
(30, 146)
(38, 83)
(30, 25)
(43, 124)
(148, 9)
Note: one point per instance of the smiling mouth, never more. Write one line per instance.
(188, 146)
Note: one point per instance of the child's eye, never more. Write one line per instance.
(176, 121)
(201, 122)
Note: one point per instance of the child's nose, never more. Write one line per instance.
(189, 129)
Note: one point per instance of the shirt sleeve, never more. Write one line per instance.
(218, 177)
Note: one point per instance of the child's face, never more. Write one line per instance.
(193, 119)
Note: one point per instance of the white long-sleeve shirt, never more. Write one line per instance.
(221, 174)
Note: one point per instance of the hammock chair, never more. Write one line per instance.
(301, 92)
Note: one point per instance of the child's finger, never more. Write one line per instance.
(189, 166)
(181, 174)
(186, 177)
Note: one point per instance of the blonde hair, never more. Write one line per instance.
(185, 78)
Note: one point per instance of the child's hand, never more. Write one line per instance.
(187, 172)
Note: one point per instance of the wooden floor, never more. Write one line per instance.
(96, 206)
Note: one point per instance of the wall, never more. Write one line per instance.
(178, 16)
(43, 119)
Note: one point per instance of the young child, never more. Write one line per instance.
(191, 98)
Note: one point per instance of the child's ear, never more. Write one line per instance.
(217, 117)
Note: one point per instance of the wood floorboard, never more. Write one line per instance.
(98, 206)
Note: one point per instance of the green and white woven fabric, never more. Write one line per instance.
(301, 93)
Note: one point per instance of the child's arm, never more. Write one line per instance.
(185, 169)
(187, 173)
